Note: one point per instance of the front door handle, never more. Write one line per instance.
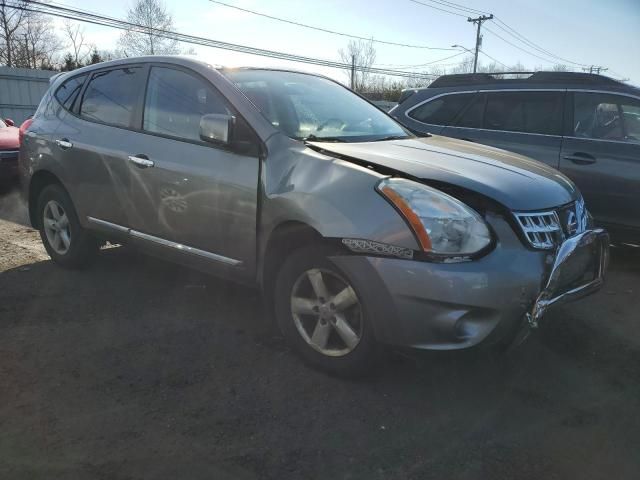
(64, 143)
(581, 158)
(141, 161)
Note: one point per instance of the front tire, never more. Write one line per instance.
(321, 314)
(66, 242)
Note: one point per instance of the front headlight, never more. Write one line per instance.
(443, 224)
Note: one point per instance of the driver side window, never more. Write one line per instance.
(176, 101)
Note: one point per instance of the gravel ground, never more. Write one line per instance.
(137, 369)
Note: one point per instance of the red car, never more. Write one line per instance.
(9, 148)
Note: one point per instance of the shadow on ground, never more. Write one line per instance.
(138, 369)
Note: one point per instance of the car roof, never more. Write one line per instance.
(175, 59)
(535, 81)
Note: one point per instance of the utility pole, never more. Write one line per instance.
(478, 21)
(353, 72)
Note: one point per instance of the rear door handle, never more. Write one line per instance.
(141, 161)
(580, 158)
(64, 143)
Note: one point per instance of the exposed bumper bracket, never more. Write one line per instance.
(597, 239)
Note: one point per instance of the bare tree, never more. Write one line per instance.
(80, 51)
(37, 45)
(152, 17)
(12, 20)
(361, 54)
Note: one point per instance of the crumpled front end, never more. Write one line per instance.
(446, 306)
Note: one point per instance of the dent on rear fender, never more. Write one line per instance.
(335, 197)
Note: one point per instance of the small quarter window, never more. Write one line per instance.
(69, 91)
(443, 110)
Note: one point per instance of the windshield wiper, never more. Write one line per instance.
(392, 137)
(313, 138)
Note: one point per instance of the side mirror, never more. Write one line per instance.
(9, 122)
(216, 128)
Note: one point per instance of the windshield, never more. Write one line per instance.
(314, 108)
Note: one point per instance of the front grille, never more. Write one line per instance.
(541, 229)
(547, 229)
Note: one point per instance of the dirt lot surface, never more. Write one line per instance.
(136, 369)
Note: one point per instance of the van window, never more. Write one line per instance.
(69, 90)
(528, 112)
(111, 96)
(176, 101)
(442, 110)
(606, 117)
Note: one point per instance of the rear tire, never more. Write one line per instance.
(66, 242)
(321, 315)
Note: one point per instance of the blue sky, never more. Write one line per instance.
(588, 32)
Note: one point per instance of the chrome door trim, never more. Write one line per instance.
(109, 225)
(625, 142)
(606, 92)
(166, 243)
(504, 131)
(184, 248)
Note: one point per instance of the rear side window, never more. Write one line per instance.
(69, 91)
(603, 116)
(527, 112)
(442, 110)
(111, 96)
(474, 113)
(176, 101)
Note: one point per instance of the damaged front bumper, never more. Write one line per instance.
(586, 254)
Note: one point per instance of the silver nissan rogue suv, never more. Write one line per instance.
(357, 232)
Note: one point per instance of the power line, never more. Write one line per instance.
(514, 33)
(494, 59)
(504, 27)
(97, 19)
(421, 64)
(457, 6)
(438, 8)
(325, 30)
(518, 47)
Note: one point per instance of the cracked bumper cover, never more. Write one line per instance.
(443, 306)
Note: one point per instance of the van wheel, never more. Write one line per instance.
(321, 315)
(66, 242)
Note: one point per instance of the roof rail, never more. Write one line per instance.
(459, 79)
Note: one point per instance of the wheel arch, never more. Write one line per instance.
(283, 239)
(40, 180)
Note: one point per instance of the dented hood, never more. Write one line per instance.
(515, 181)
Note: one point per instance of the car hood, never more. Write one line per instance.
(517, 182)
(9, 138)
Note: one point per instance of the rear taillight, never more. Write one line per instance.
(23, 128)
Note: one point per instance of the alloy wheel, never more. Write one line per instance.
(326, 312)
(56, 227)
